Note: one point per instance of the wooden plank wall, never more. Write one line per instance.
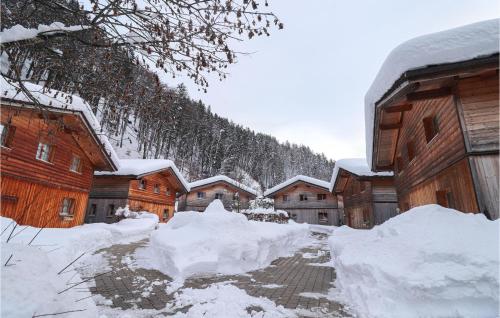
(38, 204)
(310, 216)
(486, 173)
(457, 179)
(479, 102)
(312, 201)
(153, 207)
(192, 202)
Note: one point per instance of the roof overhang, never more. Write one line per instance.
(273, 194)
(344, 175)
(430, 82)
(224, 182)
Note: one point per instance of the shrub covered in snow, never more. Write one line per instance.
(218, 241)
(427, 262)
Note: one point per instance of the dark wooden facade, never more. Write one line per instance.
(307, 203)
(200, 197)
(110, 192)
(33, 191)
(439, 132)
(366, 201)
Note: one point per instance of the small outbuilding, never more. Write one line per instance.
(143, 184)
(306, 200)
(432, 117)
(365, 198)
(51, 143)
(234, 195)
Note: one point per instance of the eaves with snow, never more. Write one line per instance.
(470, 42)
(221, 178)
(356, 166)
(300, 178)
(138, 168)
(57, 101)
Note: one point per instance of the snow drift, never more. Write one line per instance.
(427, 262)
(218, 241)
(33, 276)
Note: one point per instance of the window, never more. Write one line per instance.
(44, 152)
(200, 195)
(142, 184)
(6, 135)
(67, 207)
(167, 192)
(303, 197)
(219, 196)
(399, 164)
(111, 211)
(165, 214)
(323, 217)
(93, 209)
(156, 188)
(76, 164)
(285, 198)
(431, 127)
(321, 196)
(410, 148)
(445, 198)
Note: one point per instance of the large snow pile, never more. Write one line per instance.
(427, 262)
(454, 45)
(33, 282)
(218, 241)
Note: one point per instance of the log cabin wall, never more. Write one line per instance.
(432, 174)
(385, 200)
(33, 190)
(107, 193)
(191, 201)
(312, 210)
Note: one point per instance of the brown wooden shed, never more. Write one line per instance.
(150, 185)
(437, 125)
(365, 198)
(50, 149)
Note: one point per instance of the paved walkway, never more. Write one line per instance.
(298, 282)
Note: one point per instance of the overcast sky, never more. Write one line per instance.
(306, 83)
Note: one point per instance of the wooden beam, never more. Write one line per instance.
(429, 94)
(398, 108)
(389, 126)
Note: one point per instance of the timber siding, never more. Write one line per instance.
(458, 168)
(310, 210)
(33, 190)
(191, 202)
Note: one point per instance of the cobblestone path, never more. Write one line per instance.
(299, 282)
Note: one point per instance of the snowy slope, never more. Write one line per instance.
(455, 45)
(427, 262)
(317, 182)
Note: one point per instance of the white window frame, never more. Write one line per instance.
(78, 168)
(156, 188)
(43, 152)
(67, 207)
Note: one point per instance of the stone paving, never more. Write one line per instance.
(298, 282)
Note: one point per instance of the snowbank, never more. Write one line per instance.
(454, 45)
(427, 262)
(316, 182)
(357, 166)
(31, 281)
(218, 241)
(265, 211)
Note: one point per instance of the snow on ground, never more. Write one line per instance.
(325, 229)
(455, 45)
(267, 211)
(218, 241)
(427, 262)
(316, 182)
(31, 282)
(227, 301)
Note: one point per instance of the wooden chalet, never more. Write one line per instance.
(306, 200)
(143, 184)
(50, 147)
(437, 125)
(365, 198)
(233, 194)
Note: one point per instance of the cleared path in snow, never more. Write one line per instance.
(300, 282)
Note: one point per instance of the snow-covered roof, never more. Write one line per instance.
(455, 45)
(222, 178)
(53, 99)
(141, 167)
(316, 182)
(357, 166)
(20, 33)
